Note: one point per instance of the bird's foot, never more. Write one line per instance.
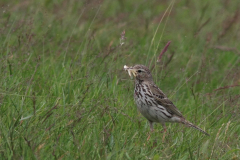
(149, 136)
(164, 134)
(163, 138)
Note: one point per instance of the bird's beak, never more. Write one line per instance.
(130, 71)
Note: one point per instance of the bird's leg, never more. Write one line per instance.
(151, 128)
(164, 131)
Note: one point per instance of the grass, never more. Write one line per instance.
(64, 94)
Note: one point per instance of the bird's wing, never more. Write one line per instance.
(162, 100)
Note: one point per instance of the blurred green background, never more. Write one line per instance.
(64, 93)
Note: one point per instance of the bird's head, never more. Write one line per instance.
(140, 72)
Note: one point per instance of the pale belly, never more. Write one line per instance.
(152, 113)
(149, 108)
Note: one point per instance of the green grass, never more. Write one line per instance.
(64, 94)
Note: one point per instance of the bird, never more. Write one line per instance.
(152, 103)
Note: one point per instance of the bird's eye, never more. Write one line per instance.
(139, 71)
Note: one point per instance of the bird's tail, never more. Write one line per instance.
(189, 124)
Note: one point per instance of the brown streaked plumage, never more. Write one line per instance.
(152, 103)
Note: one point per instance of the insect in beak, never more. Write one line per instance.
(130, 71)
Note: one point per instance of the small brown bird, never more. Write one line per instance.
(152, 103)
